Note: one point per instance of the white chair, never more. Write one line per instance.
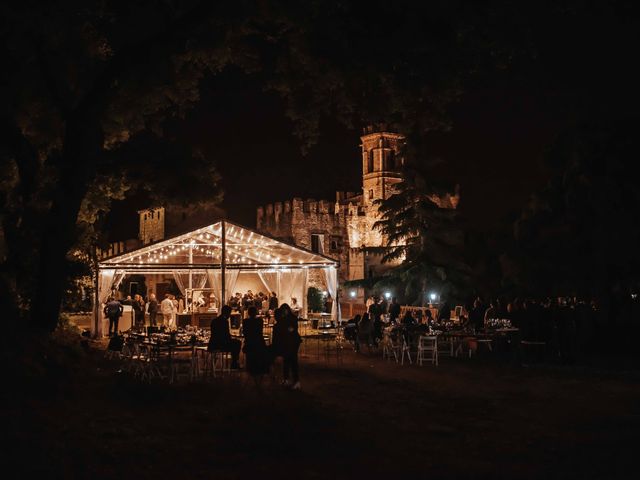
(183, 359)
(405, 351)
(390, 347)
(427, 350)
(221, 362)
(216, 362)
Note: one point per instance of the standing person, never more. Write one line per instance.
(152, 309)
(476, 316)
(383, 306)
(377, 325)
(273, 301)
(255, 349)
(286, 342)
(370, 301)
(233, 302)
(174, 313)
(394, 310)
(328, 304)
(167, 308)
(491, 312)
(221, 337)
(246, 302)
(295, 307)
(408, 319)
(365, 332)
(113, 311)
(138, 310)
(444, 313)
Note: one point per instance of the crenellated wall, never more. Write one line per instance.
(295, 221)
(347, 225)
(151, 225)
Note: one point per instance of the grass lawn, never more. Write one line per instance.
(364, 418)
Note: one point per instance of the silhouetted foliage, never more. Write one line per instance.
(427, 239)
(580, 235)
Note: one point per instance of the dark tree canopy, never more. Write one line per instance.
(580, 235)
(88, 87)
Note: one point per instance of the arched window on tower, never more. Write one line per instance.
(370, 162)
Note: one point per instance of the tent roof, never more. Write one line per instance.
(202, 248)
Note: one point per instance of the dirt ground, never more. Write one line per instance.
(366, 418)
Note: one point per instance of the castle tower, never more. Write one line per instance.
(381, 163)
(151, 225)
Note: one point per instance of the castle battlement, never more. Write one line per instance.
(277, 215)
(340, 228)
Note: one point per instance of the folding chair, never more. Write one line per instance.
(427, 349)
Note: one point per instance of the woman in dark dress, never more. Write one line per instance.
(286, 342)
(138, 310)
(255, 350)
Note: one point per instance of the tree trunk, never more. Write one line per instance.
(82, 147)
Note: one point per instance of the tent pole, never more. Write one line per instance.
(223, 264)
(190, 265)
(336, 300)
(280, 300)
(305, 289)
(96, 297)
(190, 279)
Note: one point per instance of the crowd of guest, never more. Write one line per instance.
(261, 301)
(259, 356)
(567, 325)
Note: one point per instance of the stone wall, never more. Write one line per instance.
(348, 223)
(151, 225)
(296, 220)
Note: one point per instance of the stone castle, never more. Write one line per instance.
(342, 229)
(339, 229)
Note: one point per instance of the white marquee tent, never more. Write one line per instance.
(215, 257)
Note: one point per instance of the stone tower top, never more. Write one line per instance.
(151, 225)
(381, 163)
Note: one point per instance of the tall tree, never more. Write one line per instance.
(84, 80)
(85, 84)
(580, 234)
(422, 231)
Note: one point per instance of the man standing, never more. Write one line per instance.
(167, 308)
(152, 309)
(273, 301)
(221, 337)
(394, 310)
(113, 310)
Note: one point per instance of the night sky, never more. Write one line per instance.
(499, 129)
(493, 150)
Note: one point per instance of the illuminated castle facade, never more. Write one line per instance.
(342, 229)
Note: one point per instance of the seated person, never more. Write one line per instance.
(221, 337)
(428, 318)
(408, 319)
(351, 329)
